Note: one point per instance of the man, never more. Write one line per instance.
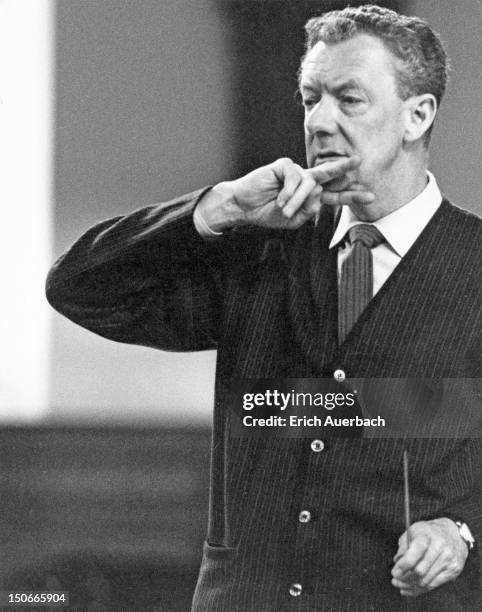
(268, 270)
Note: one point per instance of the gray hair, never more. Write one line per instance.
(423, 62)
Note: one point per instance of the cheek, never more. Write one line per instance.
(381, 139)
(382, 127)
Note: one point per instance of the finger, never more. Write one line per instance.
(401, 551)
(402, 547)
(414, 554)
(347, 198)
(408, 588)
(310, 208)
(430, 577)
(410, 592)
(312, 204)
(442, 578)
(299, 197)
(403, 584)
(430, 566)
(444, 569)
(290, 175)
(438, 577)
(398, 556)
(323, 173)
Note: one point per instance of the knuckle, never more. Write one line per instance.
(308, 180)
(455, 567)
(288, 189)
(284, 162)
(424, 541)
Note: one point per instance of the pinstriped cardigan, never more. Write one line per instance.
(267, 301)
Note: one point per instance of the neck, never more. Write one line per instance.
(399, 188)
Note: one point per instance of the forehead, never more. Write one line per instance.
(363, 57)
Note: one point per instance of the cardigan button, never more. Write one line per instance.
(304, 516)
(295, 589)
(317, 446)
(339, 375)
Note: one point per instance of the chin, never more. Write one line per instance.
(341, 183)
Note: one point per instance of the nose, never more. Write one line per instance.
(321, 117)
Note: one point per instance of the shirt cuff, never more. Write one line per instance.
(202, 227)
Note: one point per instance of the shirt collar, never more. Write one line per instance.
(401, 227)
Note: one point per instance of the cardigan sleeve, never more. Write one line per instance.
(146, 278)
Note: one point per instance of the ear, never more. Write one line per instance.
(420, 112)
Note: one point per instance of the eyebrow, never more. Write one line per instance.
(350, 83)
(305, 87)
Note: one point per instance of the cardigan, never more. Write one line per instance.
(267, 301)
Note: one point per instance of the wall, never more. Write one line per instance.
(455, 151)
(142, 115)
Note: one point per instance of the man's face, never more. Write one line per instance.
(352, 107)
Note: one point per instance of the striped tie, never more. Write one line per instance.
(356, 282)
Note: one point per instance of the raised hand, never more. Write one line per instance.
(279, 195)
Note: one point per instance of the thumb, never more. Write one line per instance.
(402, 546)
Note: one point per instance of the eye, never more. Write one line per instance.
(351, 100)
(308, 102)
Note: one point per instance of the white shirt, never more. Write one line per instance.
(401, 228)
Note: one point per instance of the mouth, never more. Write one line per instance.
(326, 156)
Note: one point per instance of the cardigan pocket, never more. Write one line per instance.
(215, 551)
(216, 567)
(216, 578)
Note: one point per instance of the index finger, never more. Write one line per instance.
(323, 173)
(346, 198)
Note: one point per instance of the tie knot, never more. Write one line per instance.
(368, 235)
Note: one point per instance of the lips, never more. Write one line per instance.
(326, 156)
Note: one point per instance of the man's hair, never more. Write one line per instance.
(423, 62)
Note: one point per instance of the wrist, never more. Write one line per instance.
(462, 528)
(218, 208)
(460, 531)
(465, 534)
